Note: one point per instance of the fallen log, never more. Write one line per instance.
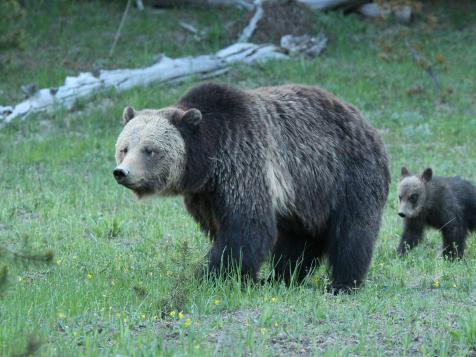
(166, 70)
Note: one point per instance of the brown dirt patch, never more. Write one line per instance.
(283, 17)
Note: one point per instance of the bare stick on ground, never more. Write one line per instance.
(426, 65)
(119, 29)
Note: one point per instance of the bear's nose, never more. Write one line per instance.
(120, 173)
(401, 214)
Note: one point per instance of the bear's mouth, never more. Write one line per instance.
(141, 190)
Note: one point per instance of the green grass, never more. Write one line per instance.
(123, 267)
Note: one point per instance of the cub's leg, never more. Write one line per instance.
(412, 235)
(454, 235)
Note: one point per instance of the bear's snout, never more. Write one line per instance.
(120, 174)
(401, 214)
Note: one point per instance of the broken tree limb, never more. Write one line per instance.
(165, 71)
(251, 27)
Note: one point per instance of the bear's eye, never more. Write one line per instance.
(148, 151)
(413, 197)
(124, 151)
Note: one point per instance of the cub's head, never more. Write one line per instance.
(413, 192)
(150, 151)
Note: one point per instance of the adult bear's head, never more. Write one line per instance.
(150, 150)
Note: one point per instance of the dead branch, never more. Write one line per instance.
(251, 27)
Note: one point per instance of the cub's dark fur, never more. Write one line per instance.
(445, 203)
(292, 171)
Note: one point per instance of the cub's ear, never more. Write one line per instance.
(192, 117)
(427, 174)
(128, 114)
(404, 172)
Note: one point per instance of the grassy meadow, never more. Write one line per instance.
(120, 282)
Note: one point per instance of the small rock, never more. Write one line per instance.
(306, 44)
(29, 89)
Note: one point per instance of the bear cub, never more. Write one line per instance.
(445, 203)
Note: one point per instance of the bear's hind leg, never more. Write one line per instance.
(454, 236)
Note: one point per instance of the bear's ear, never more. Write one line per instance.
(427, 174)
(192, 117)
(404, 172)
(128, 114)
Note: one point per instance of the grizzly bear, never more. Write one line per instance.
(289, 170)
(445, 203)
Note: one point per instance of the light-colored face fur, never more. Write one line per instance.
(150, 152)
(413, 193)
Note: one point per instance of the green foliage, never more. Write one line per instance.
(3, 278)
(11, 31)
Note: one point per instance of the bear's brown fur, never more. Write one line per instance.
(290, 170)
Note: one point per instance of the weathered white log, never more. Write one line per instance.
(373, 10)
(167, 70)
(323, 4)
(251, 27)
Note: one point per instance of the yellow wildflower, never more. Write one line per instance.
(263, 330)
(90, 276)
(273, 299)
(61, 315)
(180, 315)
(142, 316)
(172, 313)
(187, 322)
(436, 283)
(216, 301)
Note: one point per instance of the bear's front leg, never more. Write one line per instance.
(412, 235)
(242, 243)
